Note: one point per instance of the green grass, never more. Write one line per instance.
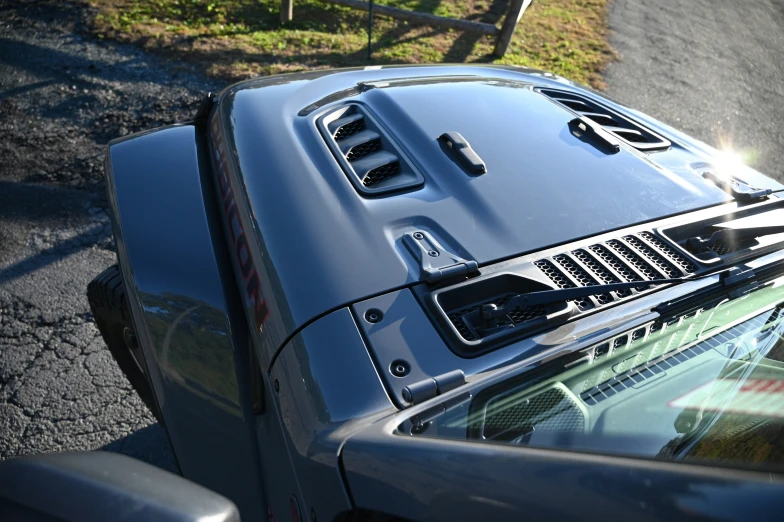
(236, 39)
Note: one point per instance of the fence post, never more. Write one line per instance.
(516, 10)
(370, 30)
(286, 11)
(422, 18)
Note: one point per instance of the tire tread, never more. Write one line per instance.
(111, 311)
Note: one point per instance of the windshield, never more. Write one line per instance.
(707, 384)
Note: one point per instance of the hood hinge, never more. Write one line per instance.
(436, 264)
(433, 386)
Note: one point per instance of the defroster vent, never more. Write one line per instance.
(371, 159)
(632, 132)
(514, 419)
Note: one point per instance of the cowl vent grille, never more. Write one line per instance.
(641, 256)
(633, 133)
(371, 159)
(634, 257)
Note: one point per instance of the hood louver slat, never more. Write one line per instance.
(344, 127)
(597, 116)
(633, 133)
(379, 174)
(363, 149)
(371, 159)
(375, 167)
(629, 134)
(360, 144)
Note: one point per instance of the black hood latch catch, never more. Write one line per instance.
(437, 264)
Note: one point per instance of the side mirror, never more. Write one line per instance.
(100, 486)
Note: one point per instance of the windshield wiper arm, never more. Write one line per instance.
(736, 187)
(491, 311)
(727, 277)
(732, 235)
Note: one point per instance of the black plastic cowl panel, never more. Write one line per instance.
(373, 162)
(626, 257)
(737, 245)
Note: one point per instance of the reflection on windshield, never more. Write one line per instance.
(707, 384)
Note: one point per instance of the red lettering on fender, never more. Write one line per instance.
(253, 289)
(238, 238)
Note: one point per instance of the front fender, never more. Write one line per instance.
(326, 387)
(185, 307)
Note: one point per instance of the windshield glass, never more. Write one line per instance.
(707, 384)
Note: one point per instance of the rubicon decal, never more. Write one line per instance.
(236, 231)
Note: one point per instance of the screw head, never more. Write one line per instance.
(419, 235)
(433, 253)
(399, 368)
(374, 315)
(420, 428)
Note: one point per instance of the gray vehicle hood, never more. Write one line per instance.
(320, 244)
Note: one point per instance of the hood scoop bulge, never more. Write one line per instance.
(370, 158)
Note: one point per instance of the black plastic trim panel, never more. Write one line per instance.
(639, 253)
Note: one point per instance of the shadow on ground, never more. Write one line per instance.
(148, 444)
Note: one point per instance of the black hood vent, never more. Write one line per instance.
(372, 160)
(631, 132)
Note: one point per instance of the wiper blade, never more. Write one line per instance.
(729, 280)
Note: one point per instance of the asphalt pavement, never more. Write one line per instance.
(63, 96)
(712, 68)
